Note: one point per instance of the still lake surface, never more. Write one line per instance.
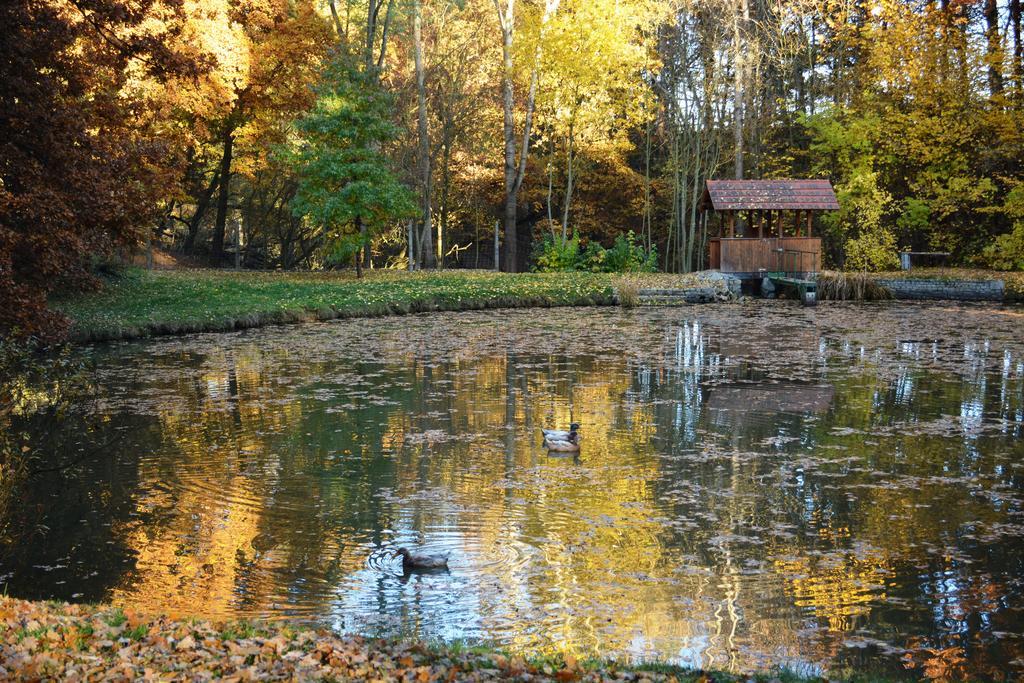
(760, 484)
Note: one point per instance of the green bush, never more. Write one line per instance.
(343, 249)
(551, 254)
(1007, 252)
(626, 256)
(873, 250)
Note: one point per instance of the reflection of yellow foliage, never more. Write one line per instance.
(837, 587)
(941, 664)
(205, 575)
(279, 474)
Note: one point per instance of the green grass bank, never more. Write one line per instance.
(147, 303)
(58, 641)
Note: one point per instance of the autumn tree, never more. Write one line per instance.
(592, 95)
(517, 152)
(83, 164)
(266, 56)
(346, 185)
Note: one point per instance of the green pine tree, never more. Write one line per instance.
(345, 181)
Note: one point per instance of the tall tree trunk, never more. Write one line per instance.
(995, 48)
(1018, 50)
(372, 12)
(338, 27)
(366, 252)
(508, 102)
(446, 182)
(426, 239)
(225, 192)
(812, 92)
(514, 173)
(373, 60)
(197, 218)
(569, 178)
(647, 228)
(741, 15)
(361, 253)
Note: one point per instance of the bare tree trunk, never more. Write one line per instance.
(569, 179)
(411, 250)
(426, 239)
(442, 228)
(995, 48)
(508, 101)
(373, 61)
(694, 251)
(647, 218)
(365, 250)
(225, 191)
(200, 212)
(551, 184)
(1018, 51)
(740, 17)
(514, 173)
(361, 252)
(570, 151)
(338, 27)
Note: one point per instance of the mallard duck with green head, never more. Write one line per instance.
(562, 440)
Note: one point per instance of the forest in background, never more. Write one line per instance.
(292, 134)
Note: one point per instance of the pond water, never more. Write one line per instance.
(759, 484)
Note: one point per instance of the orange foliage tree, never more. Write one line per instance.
(82, 164)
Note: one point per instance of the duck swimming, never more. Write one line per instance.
(562, 440)
(412, 560)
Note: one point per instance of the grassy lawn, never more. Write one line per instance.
(144, 303)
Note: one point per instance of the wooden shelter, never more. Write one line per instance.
(776, 219)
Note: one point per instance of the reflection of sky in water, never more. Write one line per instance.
(758, 484)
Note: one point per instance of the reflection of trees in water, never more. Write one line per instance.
(79, 475)
(722, 500)
(880, 523)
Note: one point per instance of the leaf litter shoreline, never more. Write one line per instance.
(73, 642)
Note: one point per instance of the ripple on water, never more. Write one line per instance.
(756, 484)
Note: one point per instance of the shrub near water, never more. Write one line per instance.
(552, 254)
(628, 290)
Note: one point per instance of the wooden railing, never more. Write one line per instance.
(797, 261)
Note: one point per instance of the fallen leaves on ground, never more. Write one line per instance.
(46, 641)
